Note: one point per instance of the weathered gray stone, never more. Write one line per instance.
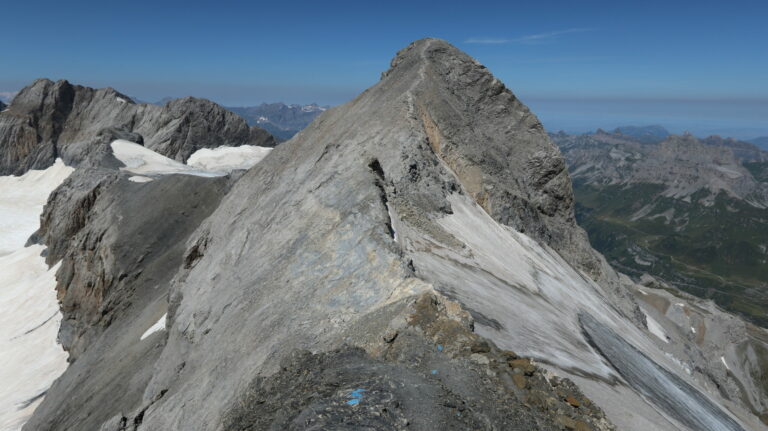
(47, 118)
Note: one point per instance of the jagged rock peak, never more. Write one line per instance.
(46, 118)
(495, 145)
(62, 93)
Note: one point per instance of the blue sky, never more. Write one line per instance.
(579, 65)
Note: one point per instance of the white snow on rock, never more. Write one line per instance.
(655, 328)
(205, 162)
(391, 220)
(139, 179)
(145, 162)
(29, 323)
(722, 359)
(227, 159)
(30, 356)
(158, 326)
(21, 202)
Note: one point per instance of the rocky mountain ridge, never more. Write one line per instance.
(682, 164)
(50, 119)
(411, 260)
(653, 133)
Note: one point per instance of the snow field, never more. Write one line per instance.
(29, 311)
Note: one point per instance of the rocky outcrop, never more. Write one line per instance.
(188, 124)
(114, 236)
(432, 373)
(710, 340)
(47, 118)
(379, 269)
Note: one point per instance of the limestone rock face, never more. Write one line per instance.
(376, 270)
(46, 118)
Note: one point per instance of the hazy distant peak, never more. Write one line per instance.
(652, 131)
(280, 119)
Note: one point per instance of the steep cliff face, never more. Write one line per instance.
(108, 250)
(46, 118)
(379, 269)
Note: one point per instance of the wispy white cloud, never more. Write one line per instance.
(486, 41)
(531, 39)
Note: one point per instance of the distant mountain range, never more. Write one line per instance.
(644, 133)
(281, 120)
(689, 211)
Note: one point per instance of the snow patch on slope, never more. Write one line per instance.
(30, 356)
(228, 159)
(722, 359)
(655, 328)
(145, 162)
(29, 324)
(139, 179)
(158, 326)
(205, 162)
(21, 202)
